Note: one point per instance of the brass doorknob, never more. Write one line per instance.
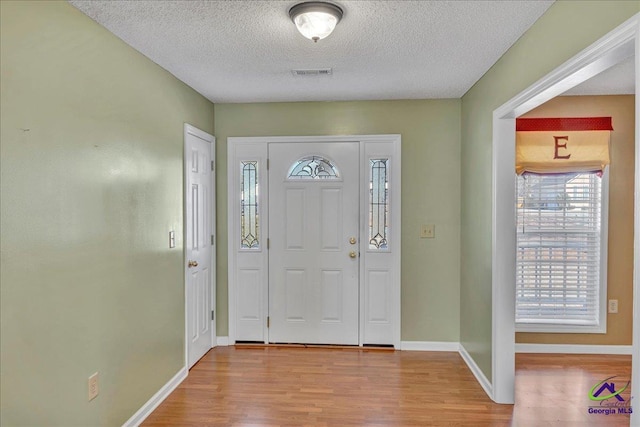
(193, 263)
(353, 254)
(352, 240)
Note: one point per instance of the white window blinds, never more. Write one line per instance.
(558, 271)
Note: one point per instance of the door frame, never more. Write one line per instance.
(256, 148)
(192, 130)
(604, 53)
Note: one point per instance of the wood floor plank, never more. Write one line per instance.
(291, 386)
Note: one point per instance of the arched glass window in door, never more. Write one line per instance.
(313, 167)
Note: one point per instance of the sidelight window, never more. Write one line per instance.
(378, 204)
(249, 216)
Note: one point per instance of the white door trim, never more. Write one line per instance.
(617, 45)
(192, 130)
(255, 263)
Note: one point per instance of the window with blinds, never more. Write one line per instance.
(560, 259)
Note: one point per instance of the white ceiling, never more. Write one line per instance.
(617, 80)
(244, 51)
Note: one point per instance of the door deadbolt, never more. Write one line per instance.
(352, 240)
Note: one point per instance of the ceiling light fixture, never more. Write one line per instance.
(315, 19)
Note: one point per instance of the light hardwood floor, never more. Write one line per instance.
(346, 387)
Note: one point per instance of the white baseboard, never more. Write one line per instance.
(430, 345)
(156, 399)
(477, 372)
(573, 348)
(222, 341)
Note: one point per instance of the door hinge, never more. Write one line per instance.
(268, 243)
(267, 164)
(213, 165)
(213, 241)
(213, 315)
(268, 321)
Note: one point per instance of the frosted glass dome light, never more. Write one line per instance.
(315, 20)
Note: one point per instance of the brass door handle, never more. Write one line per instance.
(352, 240)
(353, 254)
(193, 263)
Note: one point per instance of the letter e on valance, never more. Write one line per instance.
(561, 145)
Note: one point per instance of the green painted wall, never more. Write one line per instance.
(430, 192)
(91, 184)
(564, 30)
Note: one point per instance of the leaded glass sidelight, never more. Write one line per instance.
(379, 204)
(249, 217)
(313, 167)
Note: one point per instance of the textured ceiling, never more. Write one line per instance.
(617, 80)
(244, 51)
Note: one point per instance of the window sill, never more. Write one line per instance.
(560, 329)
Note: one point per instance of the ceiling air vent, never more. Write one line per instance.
(316, 72)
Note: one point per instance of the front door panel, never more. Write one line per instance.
(313, 264)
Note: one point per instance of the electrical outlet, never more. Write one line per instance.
(93, 386)
(613, 306)
(427, 231)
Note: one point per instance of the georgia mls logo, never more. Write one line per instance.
(610, 387)
(608, 398)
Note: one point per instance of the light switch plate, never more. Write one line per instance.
(93, 386)
(172, 239)
(613, 306)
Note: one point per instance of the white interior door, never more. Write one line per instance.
(314, 240)
(199, 250)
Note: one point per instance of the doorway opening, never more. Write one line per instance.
(612, 49)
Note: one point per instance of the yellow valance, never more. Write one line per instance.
(561, 145)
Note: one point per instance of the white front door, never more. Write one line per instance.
(198, 243)
(314, 240)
